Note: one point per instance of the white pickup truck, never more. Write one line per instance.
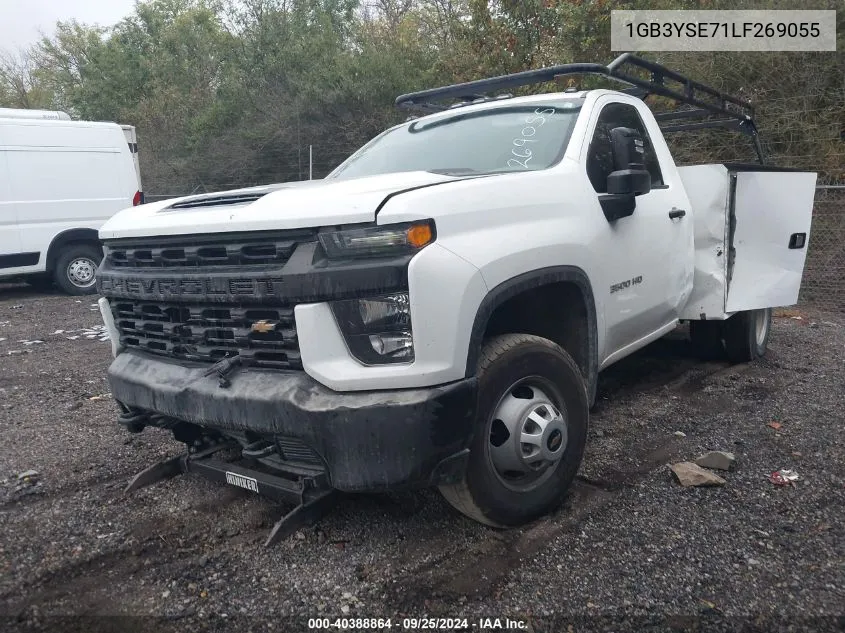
(436, 311)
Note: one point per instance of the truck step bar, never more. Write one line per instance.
(311, 494)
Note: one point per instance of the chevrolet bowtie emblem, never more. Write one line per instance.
(262, 327)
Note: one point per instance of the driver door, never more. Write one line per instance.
(647, 258)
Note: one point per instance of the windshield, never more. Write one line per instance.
(504, 139)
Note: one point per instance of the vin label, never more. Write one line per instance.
(723, 30)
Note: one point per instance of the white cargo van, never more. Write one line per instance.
(60, 180)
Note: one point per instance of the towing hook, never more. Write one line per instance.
(135, 421)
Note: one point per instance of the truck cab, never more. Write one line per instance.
(436, 311)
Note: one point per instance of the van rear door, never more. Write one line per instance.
(770, 213)
(132, 140)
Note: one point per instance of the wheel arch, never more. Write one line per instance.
(70, 236)
(558, 281)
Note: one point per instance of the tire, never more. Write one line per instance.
(75, 266)
(514, 368)
(747, 335)
(706, 337)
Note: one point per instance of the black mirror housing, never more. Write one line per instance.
(628, 148)
(617, 206)
(632, 181)
(629, 175)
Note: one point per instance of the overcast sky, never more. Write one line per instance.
(21, 20)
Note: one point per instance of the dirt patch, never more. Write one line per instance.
(628, 545)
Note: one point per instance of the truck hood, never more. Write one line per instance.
(284, 206)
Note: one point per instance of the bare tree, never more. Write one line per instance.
(18, 82)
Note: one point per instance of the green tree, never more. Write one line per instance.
(234, 92)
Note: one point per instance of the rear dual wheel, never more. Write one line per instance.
(741, 338)
(530, 432)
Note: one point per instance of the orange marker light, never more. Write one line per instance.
(419, 235)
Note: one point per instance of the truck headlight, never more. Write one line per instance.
(377, 241)
(377, 329)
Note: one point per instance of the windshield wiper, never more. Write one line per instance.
(453, 171)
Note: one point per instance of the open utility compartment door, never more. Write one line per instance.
(769, 230)
(708, 189)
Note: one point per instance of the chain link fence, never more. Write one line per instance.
(823, 285)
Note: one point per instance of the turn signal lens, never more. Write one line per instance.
(419, 235)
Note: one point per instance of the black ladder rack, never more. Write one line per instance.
(735, 113)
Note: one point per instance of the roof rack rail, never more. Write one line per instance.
(662, 81)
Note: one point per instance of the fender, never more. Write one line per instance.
(528, 281)
(68, 236)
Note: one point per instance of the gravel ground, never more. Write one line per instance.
(630, 550)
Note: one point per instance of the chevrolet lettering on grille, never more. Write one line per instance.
(170, 287)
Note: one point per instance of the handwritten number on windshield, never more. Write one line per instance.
(532, 124)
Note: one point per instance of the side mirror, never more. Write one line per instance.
(629, 175)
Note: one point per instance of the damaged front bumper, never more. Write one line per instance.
(365, 441)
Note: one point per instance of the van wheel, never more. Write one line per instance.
(76, 267)
(747, 335)
(530, 432)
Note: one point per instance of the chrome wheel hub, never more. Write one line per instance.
(80, 272)
(528, 434)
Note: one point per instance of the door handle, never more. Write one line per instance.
(797, 240)
(676, 213)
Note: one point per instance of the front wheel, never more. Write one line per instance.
(530, 432)
(76, 267)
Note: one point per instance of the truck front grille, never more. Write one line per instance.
(208, 250)
(210, 332)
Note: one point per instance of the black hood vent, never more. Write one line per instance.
(219, 201)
